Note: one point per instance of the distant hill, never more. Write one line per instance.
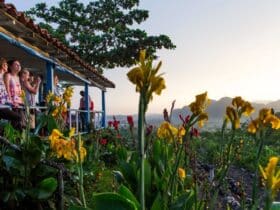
(216, 112)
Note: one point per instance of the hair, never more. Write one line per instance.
(2, 61)
(10, 63)
(22, 72)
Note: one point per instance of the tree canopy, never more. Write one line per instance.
(103, 32)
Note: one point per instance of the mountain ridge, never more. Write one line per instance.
(216, 111)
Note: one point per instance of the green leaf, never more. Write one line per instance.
(45, 189)
(32, 156)
(51, 124)
(157, 150)
(185, 201)
(6, 196)
(42, 119)
(122, 153)
(13, 164)
(112, 201)
(128, 172)
(125, 192)
(275, 206)
(158, 203)
(148, 176)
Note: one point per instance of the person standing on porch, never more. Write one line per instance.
(30, 91)
(13, 88)
(82, 107)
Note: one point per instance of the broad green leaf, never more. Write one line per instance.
(148, 177)
(156, 150)
(275, 206)
(122, 153)
(43, 120)
(13, 164)
(51, 124)
(125, 192)
(112, 201)
(185, 201)
(158, 203)
(45, 189)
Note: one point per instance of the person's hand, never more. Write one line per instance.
(38, 80)
(15, 105)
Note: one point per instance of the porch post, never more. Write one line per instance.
(103, 122)
(50, 74)
(87, 114)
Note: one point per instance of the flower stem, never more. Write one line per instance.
(81, 174)
(141, 141)
(255, 188)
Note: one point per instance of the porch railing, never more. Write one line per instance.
(74, 117)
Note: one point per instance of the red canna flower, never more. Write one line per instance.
(103, 141)
(194, 132)
(110, 123)
(115, 123)
(130, 121)
(149, 130)
(186, 120)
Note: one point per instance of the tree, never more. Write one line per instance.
(102, 32)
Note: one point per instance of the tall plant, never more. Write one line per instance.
(147, 81)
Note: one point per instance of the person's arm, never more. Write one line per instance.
(30, 88)
(7, 78)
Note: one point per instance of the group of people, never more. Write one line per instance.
(14, 81)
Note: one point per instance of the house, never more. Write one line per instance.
(43, 54)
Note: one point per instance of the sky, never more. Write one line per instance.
(225, 47)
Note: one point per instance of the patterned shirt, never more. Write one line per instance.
(15, 89)
(3, 92)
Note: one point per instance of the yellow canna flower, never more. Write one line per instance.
(72, 132)
(145, 77)
(157, 85)
(266, 118)
(271, 176)
(167, 131)
(253, 126)
(273, 120)
(202, 118)
(63, 147)
(180, 134)
(238, 102)
(200, 104)
(67, 95)
(136, 76)
(181, 173)
(232, 116)
(247, 109)
(264, 113)
(55, 135)
(49, 97)
(83, 153)
(57, 99)
(55, 112)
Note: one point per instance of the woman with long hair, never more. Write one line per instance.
(5, 112)
(14, 90)
(31, 89)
